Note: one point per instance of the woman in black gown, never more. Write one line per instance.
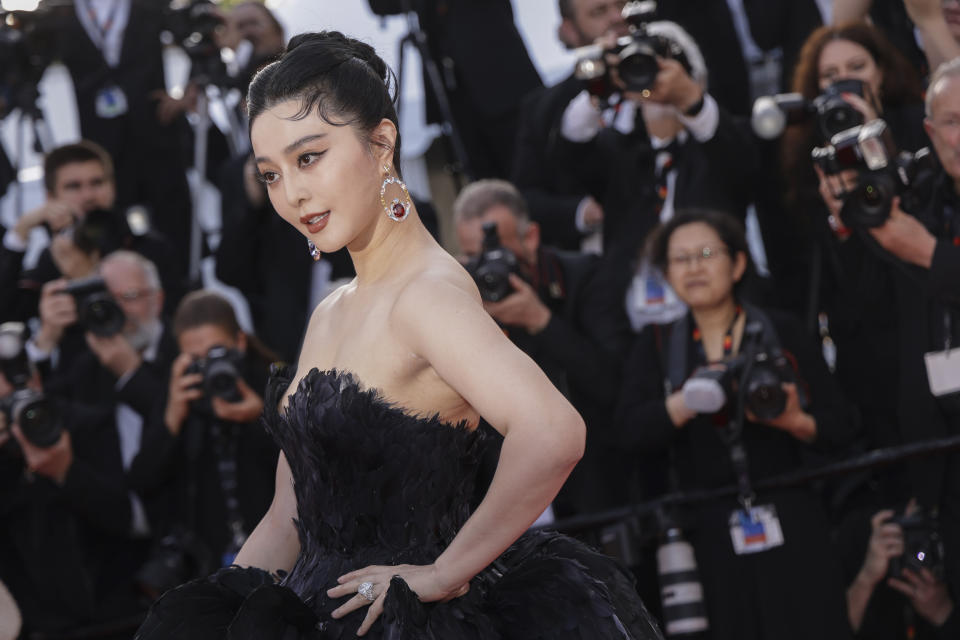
(369, 532)
(760, 589)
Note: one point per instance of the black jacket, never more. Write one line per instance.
(717, 174)
(147, 155)
(546, 169)
(580, 350)
(179, 474)
(68, 552)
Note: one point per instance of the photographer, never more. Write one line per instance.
(881, 586)
(545, 170)
(925, 244)
(679, 157)
(113, 51)
(561, 311)
(78, 179)
(68, 548)
(204, 445)
(766, 584)
(823, 262)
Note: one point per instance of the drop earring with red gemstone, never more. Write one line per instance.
(398, 208)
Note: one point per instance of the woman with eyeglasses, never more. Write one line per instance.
(763, 555)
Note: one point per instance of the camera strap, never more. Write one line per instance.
(676, 374)
(225, 444)
(101, 29)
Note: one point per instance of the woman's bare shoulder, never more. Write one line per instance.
(439, 273)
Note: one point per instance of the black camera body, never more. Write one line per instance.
(882, 172)
(922, 546)
(492, 268)
(97, 311)
(833, 114)
(636, 55)
(220, 370)
(760, 376)
(36, 415)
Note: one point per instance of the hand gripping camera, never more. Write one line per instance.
(636, 55)
(492, 268)
(882, 172)
(220, 370)
(833, 114)
(97, 311)
(758, 373)
(36, 416)
(922, 545)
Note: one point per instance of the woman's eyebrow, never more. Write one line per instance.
(290, 148)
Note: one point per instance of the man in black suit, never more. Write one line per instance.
(545, 170)
(95, 529)
(79, 178)
(486, 71)
(927, 243)
(114, 54)
(564, 315)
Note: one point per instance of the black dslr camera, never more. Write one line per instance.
(882, 172)
(97, 311)
(37, 417)
(757, 373)
(492, 268)
(636, 55)
(922, 546)
(833, 114)
(220, 370)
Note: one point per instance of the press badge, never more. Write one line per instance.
(111, 102)
(755, 530)
(943, 371)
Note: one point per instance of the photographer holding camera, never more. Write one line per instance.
(847, 75)
(675, 152)
(73, 535)
(902, 562)
(561, 311)
(204, 447)
(925, 244)
(735, 394)
(546, 171)
(78, 179)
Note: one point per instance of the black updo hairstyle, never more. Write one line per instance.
(342, 79)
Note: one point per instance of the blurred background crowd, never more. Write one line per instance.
(729, 232)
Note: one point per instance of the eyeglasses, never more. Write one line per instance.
(133, 296)
(688, 259)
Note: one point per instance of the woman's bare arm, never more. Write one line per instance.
(274, 544)
(543, 434)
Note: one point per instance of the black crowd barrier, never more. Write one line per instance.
(869, 460)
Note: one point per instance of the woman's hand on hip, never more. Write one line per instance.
(423, 580)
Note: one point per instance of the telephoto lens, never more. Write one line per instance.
(684, 611)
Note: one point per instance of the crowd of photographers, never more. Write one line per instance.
(726, 292)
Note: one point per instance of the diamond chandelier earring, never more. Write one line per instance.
(314, 252)
(398, 208)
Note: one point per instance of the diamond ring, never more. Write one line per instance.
(366, 590)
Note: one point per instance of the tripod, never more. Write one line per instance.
(209, 92)
(459, 164)
(26, 102)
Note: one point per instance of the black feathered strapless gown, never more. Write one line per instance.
(376, 486)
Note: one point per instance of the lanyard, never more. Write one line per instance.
(732, 432)
(102, 30)
(727, 337)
